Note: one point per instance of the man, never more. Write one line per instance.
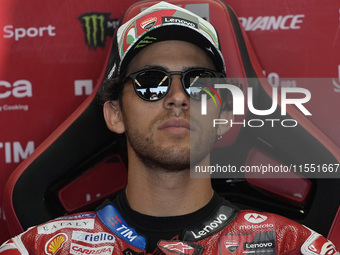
(159, 58)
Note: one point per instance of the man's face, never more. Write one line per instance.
(159, 133)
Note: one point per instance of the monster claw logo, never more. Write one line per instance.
(147, 40)
(96, 27)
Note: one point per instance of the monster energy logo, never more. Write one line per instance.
(96, 27)
(147, 40)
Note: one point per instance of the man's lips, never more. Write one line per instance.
(175, 125)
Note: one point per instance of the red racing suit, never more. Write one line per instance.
(226, 231)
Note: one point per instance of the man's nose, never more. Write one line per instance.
(177, 97)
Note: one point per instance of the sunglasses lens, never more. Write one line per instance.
(198, 82)
(151, 84)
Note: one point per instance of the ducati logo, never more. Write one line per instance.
(231, 246)
(148, 23)
(255, 218)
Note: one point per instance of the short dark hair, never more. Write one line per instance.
(111, 89)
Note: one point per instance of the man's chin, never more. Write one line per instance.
(168, 159)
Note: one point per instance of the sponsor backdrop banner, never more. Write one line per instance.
(52, 53)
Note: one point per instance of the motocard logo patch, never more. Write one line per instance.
(255, 218)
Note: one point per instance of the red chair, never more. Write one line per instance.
(82, 145)
(334, 232)
(51, 56)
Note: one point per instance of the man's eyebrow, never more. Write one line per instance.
(163, 68)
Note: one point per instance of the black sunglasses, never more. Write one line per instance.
(154, 84)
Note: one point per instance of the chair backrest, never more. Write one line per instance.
(334, 232)
(51, 56)
(82, 144)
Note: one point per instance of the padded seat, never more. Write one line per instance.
(83, 143)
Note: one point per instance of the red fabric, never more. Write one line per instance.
(334, 233)
(249, 231)
(48, 64)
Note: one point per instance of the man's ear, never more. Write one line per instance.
(224, 128)
(113, 116)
